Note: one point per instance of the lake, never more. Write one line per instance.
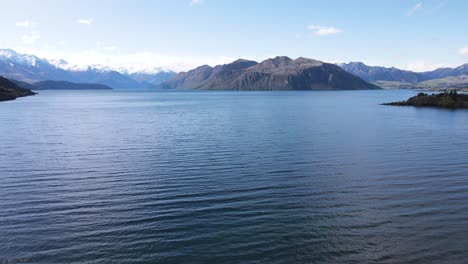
(231, 177)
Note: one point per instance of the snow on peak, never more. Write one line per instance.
(8, 53)
(129, 70)
(62, 64)
(153, 70)
(13, 57)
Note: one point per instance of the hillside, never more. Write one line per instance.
(280, 73)
(24, 85)
(152, 77)
(10, 91)
(376, 73)
(447, 72)
(456, 82)
(63, 85)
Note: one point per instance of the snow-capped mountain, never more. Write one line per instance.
(60, 63)
(148, 75)
(14, 57)
(28, 68)
(64, 65)
(152, 70)
(132, 70)
(151, 76)
(31, 69)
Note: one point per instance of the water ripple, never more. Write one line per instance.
(227, 177)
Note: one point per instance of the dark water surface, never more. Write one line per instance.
(231, 177)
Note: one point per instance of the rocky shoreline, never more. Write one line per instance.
(10, 91)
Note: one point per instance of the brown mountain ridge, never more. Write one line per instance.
(279, 73)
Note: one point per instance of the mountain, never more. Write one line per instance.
(110, 78)
(60, 85)
(10, 91)
(446, 72)
(376, 73)
(393, 78)
(28, 68)
(24, 85)
(31, 69)
(455, 82)
(151, 76)
(280, 73)
(63, 85)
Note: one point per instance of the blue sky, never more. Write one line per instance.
(181, 34)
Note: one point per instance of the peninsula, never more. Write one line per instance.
(447, 99)
(10, 91)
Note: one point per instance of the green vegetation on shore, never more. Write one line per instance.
(448, 99)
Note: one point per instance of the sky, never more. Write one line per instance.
(182, 34)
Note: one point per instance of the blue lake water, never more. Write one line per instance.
(231, 177)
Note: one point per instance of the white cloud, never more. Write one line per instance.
(324, 30)
(110, 48)
(438, 6)
(30, 38)
(32, 35)
(85, 21)
(104, 46)
(463, 51)
(25, 23)
(195, 2)
(414, 9)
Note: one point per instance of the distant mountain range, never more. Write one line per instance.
(151, 78)
(395, 78)
(31, 69)
(280, 73)
(375, 73)
(447, 72)
(64, 85)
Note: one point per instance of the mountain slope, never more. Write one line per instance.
(10, 91)
(24, 85)
(63, 85)
(28, 68)
(110, 78)
(446, 72)
(375, 73)
(455, 82)
(153, 76)
(280, 73)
